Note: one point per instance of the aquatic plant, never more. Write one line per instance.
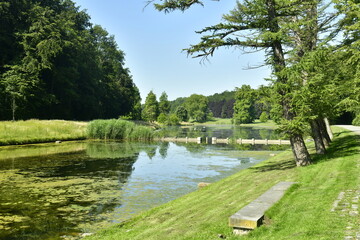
(118, 129)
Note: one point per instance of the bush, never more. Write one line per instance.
(162, 118)
(173, 120)
(118, 129)
(264, 117)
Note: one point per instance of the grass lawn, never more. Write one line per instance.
(227, 121)
(35, 131)
(303, 213)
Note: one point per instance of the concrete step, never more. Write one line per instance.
(252, 215)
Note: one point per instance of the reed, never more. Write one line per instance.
(118, 129)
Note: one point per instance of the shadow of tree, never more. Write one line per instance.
(343, 145)
(340, 147)
(275, 165)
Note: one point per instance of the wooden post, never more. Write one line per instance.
(213, 140)
(199, 140)
(253, 141)
(266, 141)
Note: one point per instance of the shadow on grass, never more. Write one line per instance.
(340, 147)
(274, 165)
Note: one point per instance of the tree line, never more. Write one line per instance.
(55, 63)
(312, 47)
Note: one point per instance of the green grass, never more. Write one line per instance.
(118, 129)
(303, 213)
(227, 121)
(36, 131)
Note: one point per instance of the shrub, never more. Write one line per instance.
(173, 120)
(264, 117)
(162, 118)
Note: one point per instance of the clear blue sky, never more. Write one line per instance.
(153, 43)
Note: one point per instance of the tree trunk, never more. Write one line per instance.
(317, 136)
(328, 128)
(301, 154)
(13, 108)
(324, 134)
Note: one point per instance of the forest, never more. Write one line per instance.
(55, 64)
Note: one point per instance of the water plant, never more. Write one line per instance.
(118, 129)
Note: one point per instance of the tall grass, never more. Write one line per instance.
(118, 129)
(37, 131)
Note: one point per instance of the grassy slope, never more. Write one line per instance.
(303, 213)
(35, 131)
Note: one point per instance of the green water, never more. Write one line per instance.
(59, 191)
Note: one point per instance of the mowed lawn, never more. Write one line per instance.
(303, 213)
(35, 131)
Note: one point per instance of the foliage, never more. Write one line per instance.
(197, 107)
(164, 104)
(151, 108)
(55, 64)
(173, 120)
(264, 117)
(356, 121)
(118, 129)
(244, 107)
(222, 104)
(182, 114)
(162, 118)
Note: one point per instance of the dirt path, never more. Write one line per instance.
(355, 129)
(348, 201)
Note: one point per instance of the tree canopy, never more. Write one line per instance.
(56, 64)
(297, 39)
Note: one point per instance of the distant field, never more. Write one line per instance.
(227, 121)
(35, 131)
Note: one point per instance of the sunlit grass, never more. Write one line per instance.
(303, 213)
(35, 131)
(118, 129)
(227, 121)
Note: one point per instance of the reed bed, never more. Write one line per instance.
(117, 129)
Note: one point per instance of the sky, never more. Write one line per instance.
(153, 41)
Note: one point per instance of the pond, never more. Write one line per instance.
(58, 191)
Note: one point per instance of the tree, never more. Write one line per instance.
(55, 64)
(151, 108)
(197, 107)
(256, 25)
(349, 54)
(164, 104)
(182, 114)
(244, 107)
(264, 117)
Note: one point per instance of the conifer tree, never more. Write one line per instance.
(151, 108)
